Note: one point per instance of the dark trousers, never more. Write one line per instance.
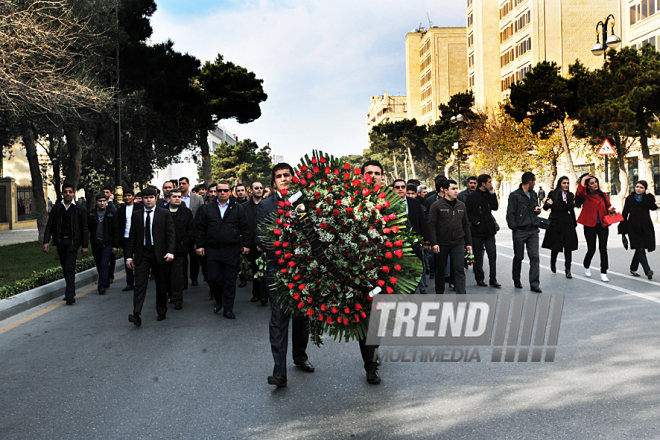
(640, 257)
(142, 269)
(457, 254)
(102, 253)
(590, 235)
(478, 244)
(368, 353)
(130, 276)
(529, 239)
(175, 279)
(68, 255)
(259, 288)
(279, 332)
(202, 264)
(193, 262)
(222, 265)
(568, 259)
(112, 263)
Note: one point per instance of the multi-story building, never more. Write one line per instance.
(641, 22)
(529, 31)
(436, 69)
(186, 166)
(385, 108)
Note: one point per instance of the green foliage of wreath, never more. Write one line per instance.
(336, 240)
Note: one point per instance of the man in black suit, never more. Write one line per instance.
(163, 201)
(279, 321)
(67, 225)
(416, 221)
(151, 245)
(184, 225)
(222, 234)
(104, 235)
(124, 215)
(479, 205)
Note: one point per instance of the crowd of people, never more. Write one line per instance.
(169, 234)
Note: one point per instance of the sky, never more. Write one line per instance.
(321, 61)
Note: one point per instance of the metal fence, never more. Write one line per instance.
(3, 207)
(25, 203)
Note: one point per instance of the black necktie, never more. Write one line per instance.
(147, 232)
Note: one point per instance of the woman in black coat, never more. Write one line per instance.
(639, 227)
(562, 235)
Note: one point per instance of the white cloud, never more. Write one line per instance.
(320, 61)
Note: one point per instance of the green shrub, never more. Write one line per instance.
(44, 277)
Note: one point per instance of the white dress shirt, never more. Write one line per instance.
(129, 215)
(66, 208)
(223, 208)
(186, 200)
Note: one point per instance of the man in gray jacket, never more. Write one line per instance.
(449, 229)
(522, 219)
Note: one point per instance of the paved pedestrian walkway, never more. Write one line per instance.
(15, 236)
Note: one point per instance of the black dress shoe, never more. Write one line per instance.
(553, 268)
(569, 275)
(178, 306)
(70, 302)
(518, 285)
(127, 288)
(264, 302)
(254, 299)
(279, 381)
(217, 307)
(102, 291)
(161, 318)
(495, 284)
(432, 276)
(230, 315)
(306, 366)
(373, 377)
(194, 283)
(135, 319)
(185, 288)
(481, 284)
(112, 280)
(537, 290)
(242, 284)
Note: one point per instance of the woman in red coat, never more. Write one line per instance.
(595, 206)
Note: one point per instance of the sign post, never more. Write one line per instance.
(606, 150)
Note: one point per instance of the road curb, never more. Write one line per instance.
(32, 298)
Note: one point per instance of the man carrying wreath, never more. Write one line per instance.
(279, 321)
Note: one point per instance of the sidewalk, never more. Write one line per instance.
(18, 236)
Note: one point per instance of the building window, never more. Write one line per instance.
(470, 40)
(506, 58)
(523, 20)
(506, 8)
(470, 20)
(506, 82)
(650, 41)
(519, 2)
(471, 60)
(471, 81)
(643, 9)
(426, 78)
(524, 47)
(469, 3)
(425, 63)
(520, 74)
(506, 33)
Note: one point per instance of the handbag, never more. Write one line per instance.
(611, 219)
(544, 223)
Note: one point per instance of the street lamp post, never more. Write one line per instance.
(455, 120)
(599, 49)
(612, 41)
(119, 193)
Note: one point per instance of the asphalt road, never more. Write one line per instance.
(85, 372)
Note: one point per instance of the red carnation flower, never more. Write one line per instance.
(368, 178)
(357, 171)
(335, 212)
(316, 170)
(285, 244)
(277, 244)
(387, 230)
(294, 179)
(386, 269)
(386, 203)
(328, 170)
(324, 307)
(301, 305)
(310, 300)
(319, 211)
(320, 317)
(334, 310)
(397, 268)
(347, 166)
(291, 286)
(389, 290)
(388, 255)
(309, 175)
(329, 321)
(366, 192)
(322, 160)
(303, 181)
(398, 243)
(395, 229)
(314, 161)
(398, 253)
(392, 216)
(301, 287)
(310, 312)
(303, 168)
(292, 264)
(382, 196)
(388, 244)
(284, 191)
(356, 182)
(377, 187)
(323, 226)
(277, 232)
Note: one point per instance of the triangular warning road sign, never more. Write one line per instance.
(606, 149)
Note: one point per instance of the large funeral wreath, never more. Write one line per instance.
(336, 240)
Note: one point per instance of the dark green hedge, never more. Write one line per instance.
(42, 278)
